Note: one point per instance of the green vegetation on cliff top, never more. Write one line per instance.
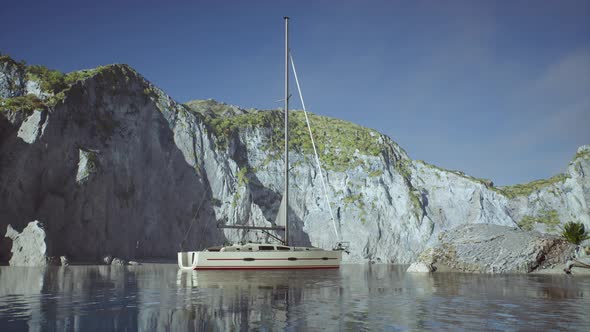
(339, 143)
(525, 189)
(528, 188)
(583, 154)
(486, 182)
(26, 104)
(6, 59)
(52, 83)
(548, 217)
(513, 191)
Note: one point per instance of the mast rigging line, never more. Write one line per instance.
(317, 158)
(192, 222)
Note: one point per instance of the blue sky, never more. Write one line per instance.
(498, 89)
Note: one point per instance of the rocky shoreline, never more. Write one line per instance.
(31, 248)
(472, 248)
(477, 248)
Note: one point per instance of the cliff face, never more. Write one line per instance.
(112, 165)
(102, 170)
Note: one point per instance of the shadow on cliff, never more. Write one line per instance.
(17, 201)
(139, 197)
(270, 201)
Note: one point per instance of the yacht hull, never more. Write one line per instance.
(259, 260)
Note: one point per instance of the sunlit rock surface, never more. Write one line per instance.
(29, 247)
(420, 267)
(496, 249)
(12, 78)
(32, 127)
(114, 166)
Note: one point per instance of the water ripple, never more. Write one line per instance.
(357, 297)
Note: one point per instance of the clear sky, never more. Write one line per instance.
(498, 89)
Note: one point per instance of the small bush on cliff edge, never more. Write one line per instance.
(50, 81)
(575, 232)
(26, 104)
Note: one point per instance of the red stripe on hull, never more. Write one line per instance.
(265, 267)
(269, 259)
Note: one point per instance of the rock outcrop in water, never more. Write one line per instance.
(30, 247)
(495, 249)
(114, 166)
(421, 267)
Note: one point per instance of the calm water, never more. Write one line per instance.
(356, 297)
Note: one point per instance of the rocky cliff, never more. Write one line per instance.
(112, 165)
(487, 248)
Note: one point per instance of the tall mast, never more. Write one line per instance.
(286, 130)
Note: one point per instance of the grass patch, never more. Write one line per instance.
(80, 75)
(582, 154)
(51, 82)
(352, 199)
(242, 176)
(26, 104)
(517, 190)
(212, 108)
(8, 61)
(575, 232)
(337, 141)
(236, 198)
(486, 182)
(548, 217)
(376, 173)
(528, 188)
(403, 168)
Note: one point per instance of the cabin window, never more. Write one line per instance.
(266, 248)
(237, 249)
(250, 248)
(283, 248)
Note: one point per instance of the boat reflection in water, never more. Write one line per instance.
(256, 279)
(156, 297)
(259, 299)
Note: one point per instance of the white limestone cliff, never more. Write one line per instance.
(116, 166)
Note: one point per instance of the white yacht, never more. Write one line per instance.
(267, 255)
(260, 256)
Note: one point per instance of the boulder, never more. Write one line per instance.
(118, 262)
(29, 247)
(483, 248)
(110, 260)
(64, 261)
(420, 267)
(107, 259)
